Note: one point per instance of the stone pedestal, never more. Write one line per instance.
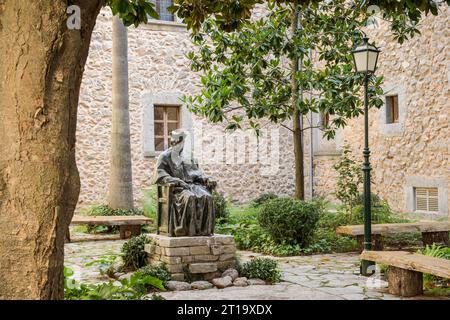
(192, 258)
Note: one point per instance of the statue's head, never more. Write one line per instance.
(177, 139)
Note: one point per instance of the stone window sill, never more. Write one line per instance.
(429, 213)
(152, 154)
(328, 153)
(160, 25)
(392, 129)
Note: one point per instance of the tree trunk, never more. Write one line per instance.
(405, 283)
(41, 71)
(297, 130)
(441, 238)
(120, 193)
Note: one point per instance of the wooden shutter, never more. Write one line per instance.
(167, 119)
(392, 113)
(427, 199)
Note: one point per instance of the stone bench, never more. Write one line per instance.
(129, 226)
(405, 276)
(432, 232)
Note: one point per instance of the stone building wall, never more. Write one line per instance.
(159, 72)
(414, 153)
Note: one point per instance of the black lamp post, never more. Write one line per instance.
(365, 57)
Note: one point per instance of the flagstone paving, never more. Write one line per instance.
(316, 277)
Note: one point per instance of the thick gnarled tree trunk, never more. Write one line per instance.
(40, 76)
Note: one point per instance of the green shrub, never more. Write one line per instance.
(220, 205)
(434, 285)
(381, 213)
(133, 254)
(107, 265)
(262, 198)
(325, 239)
(404, 239)
(249, 235)
(149, 203)
(290, 221)
(262, 268)
(160, 272)
(436, 251)
(349, 179)
(104, 210)
(129, 289)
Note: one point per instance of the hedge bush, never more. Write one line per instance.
(290, 221)
(220, 205)
(160, 272)
(262, 198)
(133, 254)
(261, 268)
(104, 210)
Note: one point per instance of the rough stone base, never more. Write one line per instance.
(192, 258)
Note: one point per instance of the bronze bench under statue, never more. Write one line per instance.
(184, 193)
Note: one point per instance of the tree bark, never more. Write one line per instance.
(120, 193)
(405, 283)
(441, 238)
(296, 116)
(41, 72)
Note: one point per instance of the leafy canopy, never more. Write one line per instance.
(231, 13)
(246, 74)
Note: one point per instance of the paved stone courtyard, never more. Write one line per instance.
(316, 277)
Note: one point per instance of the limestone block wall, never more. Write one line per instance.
(417, 149)
(158, 68)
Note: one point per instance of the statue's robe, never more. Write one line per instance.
(192, 209)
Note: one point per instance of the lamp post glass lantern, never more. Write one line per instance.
(365, 58)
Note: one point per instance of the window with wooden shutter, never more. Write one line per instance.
(426, 199)
(167, 119)
(392, 115)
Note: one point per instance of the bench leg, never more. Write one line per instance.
(127, 232)
(377, 242)
(429, 238)
(405, 283)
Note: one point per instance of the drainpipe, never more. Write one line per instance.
(311, 144)
(302, 138)
(311, 157)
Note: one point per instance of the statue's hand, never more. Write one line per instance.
(183, 184)
(211, 183)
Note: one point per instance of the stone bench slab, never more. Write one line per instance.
(410, 261)
(110, 220)
(394, 228)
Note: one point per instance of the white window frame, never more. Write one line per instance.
(395, 128)
(440, 183)
(428, 197)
